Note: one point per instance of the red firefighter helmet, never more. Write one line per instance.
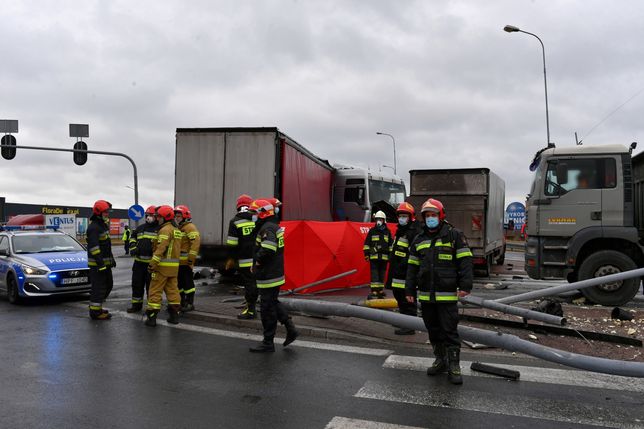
(183, 210)
(151, 210)
(432, 205)
(244, 201)
(100, 207)
(275, 202)
(166, 212)
(263, 208)
(406, 208)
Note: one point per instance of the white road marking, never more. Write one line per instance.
(530, 373)
(503, 402)
(345, 423)
(254, 337)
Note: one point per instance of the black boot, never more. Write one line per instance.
(188, 303)
(291, 332)
(173, 310)
(263, 347)
(454, 370)
(152, 318)
(100, 315)
(440, 363)
(135, 307)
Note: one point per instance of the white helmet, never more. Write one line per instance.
(380, 215)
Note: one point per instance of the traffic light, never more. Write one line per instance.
(8, 152)
(79, 157)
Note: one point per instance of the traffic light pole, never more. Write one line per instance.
(97, 152)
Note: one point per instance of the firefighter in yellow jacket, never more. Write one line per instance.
(190, 242)
(164, 267)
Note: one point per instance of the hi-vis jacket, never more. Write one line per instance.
(167, 248)
(400, 253)
(142, 241)
(99, 246)
(241, 239)
(439, 265)
(269, 254)
(376, 245)
(190, 242)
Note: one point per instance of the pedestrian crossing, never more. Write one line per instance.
(509, 398)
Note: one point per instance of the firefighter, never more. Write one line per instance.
(126, 239)
(241, 242)
(100, 259)
(164, 268)
(376, 251)
(440, 268)
(268, 266)
(406, 231)
(141, 245)
(190, 242)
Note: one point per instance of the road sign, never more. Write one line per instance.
(135, 212)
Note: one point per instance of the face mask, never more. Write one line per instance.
(431, 222)
(254, 218)
(403, 220)
(243, 209)
(379, 223)
(277, 210)
(150, 219)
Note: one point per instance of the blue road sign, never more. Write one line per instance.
(516, 213)
(135, 212)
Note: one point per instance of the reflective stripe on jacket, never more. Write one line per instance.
(376, 244)
(269, 254)
(167, 250)
(400, 253)
(99, 245)
(439, 265)
(142, 241)
(241, 238)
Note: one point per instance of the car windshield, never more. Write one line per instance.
(41, 243)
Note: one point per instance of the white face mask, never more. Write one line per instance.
(243, 209)
(379, 222)
(150, 219)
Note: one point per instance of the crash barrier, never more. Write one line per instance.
(467, 333)
(556, 290)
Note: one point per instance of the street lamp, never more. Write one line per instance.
(394, 141)
(513, 29)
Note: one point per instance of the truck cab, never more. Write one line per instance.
(356, 191)
(581, 219)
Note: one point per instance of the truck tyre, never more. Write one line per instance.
(12, 290)
(501, 259)
(603, 263)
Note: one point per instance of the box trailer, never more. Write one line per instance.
(474, 200)
(213, 166)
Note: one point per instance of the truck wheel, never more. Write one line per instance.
(604, 263)
(12, 290)
(501, 259)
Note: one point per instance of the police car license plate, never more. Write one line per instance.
(74, 280)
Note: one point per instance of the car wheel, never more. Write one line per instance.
(12, 290)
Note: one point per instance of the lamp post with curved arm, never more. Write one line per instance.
(394, 141)
(513, 29)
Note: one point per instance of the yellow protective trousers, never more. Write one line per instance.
(158, 286)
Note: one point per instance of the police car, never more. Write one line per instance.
(41, 263)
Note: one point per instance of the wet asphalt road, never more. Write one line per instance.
(62, 370)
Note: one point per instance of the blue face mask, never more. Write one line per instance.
(432, 222)
(277, 210)
(254, 218)
(403, 221)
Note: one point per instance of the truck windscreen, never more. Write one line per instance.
(449, 184)
(393, 193)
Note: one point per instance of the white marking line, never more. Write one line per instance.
(503, 402)
(530, 373)
(254, 337)
(345, 423)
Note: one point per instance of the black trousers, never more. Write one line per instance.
(378, 270)
(250, 287)
(126, 246)
(441, 321)
(102, 283)
(272, 312)
(404, 306)
(140, 281)
(186, 282)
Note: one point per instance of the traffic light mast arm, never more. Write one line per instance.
(98, 152)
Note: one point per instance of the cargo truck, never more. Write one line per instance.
(213, 166)
(474, 200)
(585, 217)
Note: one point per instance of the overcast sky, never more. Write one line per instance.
(441, 76)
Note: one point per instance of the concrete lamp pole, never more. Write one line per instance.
(513, 29)
(394, 141)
